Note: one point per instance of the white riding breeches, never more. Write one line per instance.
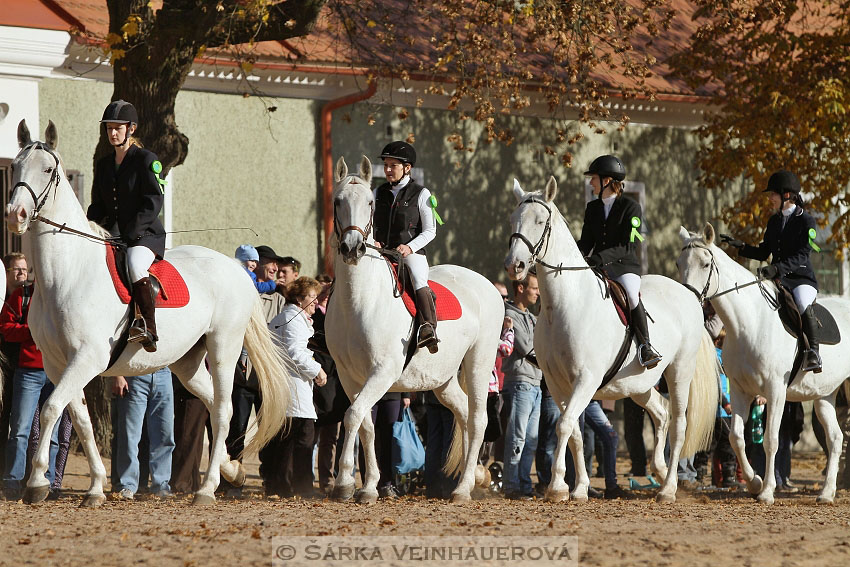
(139, 260)
(804, 295)
(417, 264)
(632, 284)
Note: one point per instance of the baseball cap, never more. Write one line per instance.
(247, 252)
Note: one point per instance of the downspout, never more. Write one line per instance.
(328, 166)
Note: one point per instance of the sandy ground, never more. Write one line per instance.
(707, 527)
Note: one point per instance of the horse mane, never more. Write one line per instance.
(99, 230)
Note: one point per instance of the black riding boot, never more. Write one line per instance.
(647, 356)
(427, 312)
(811, 357)
(143, 328)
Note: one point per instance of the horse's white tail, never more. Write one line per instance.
(454, 460)
(703, 397)
(272, 365)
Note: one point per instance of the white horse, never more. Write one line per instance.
(578, 335)
(76, 318)
(758, 354)
(368, 332)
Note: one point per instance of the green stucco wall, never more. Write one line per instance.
(245, 167)
(474, 188)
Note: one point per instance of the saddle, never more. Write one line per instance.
(789, 314)
(448, 306)
(171, 289)
(617, 293)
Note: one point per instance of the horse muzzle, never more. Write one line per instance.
(516, 270)
(17, 218)
(352, 249)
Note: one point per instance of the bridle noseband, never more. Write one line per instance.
(702, 296)
(339, 232)
(40, 199)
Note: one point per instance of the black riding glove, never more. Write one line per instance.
(769, 272)
(733, 242)
(594, 260)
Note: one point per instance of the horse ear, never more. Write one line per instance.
(23, 134)
(366, 170)
(708, 233)
(551, 190)
(684, 234)
(518, 192)
(341, 169)
(51, 135)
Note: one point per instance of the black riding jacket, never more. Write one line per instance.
(609, 241)
(789, 247)
(131, 197)
(397, 221)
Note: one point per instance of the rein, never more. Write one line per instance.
(703, 296)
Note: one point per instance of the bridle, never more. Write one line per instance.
(702, 296)
(543, 243)
(339, 232)
(40, 199)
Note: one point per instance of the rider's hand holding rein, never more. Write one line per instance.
(321, 378)
(404, 249)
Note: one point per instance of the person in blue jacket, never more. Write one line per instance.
(789, 240)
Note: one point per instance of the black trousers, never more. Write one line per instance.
(287, 461)
(633, 416)
(244, 399)
(384, 414)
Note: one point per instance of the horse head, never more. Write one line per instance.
(36, 170)
(531, 223)
(354, 206)
(697, 262)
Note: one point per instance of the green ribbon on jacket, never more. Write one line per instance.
(812, 234)
(635, 233)
(433, 202)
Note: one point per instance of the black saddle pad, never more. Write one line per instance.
(828, 332)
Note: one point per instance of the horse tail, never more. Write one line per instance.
(272, 365)
(454, 460)
(703, 397)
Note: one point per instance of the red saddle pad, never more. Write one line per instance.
(174, 292)
(448, 307)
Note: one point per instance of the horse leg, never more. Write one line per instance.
(678, 403)
(655, 405)
(740, 410)
(355, 416)
(82, 424)
(66, 388)
(569, 432)
(455, 399)
(775, 404)
(825, 410)
(369, 491)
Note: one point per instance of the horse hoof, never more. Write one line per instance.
(824, 499)
(460, 498)
(36, 494)
(765, 498)
(755, 485)
(203, 500)
(579, 495)
(558, 495)
(239, 479)
(663, 497)
(343, 493)
(366, 497)
(92, 500)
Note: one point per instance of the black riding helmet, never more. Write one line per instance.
(607, 166)
(783, 182)
(121, 112)
(402, 151)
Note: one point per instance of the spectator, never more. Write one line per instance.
(30, 389)
(291, 470)
(596, 419)
(190, 421)
(249, 257)
(16, 276)
(494, 445)
(438, 441)
(385, 413)
(138, 400)
(521, 393)
(288, 269)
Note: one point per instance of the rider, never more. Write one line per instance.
(789, 238)
(404, 221)
(608, 240)
(126, 200)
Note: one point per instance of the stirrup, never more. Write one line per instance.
(815, 366)
(653, 357)
(430, 341)
(139, 334)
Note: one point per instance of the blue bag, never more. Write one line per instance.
(408, 454)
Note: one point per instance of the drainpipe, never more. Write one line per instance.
(328, 165)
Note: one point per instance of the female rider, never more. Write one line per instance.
(608, 238)
(126, 200)
(789, 239)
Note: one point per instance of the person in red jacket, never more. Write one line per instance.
(30, 388)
